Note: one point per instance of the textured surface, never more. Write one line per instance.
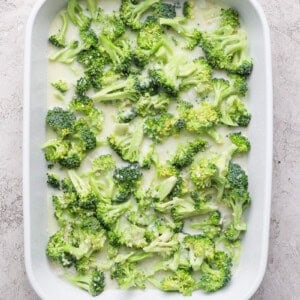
(283, 274)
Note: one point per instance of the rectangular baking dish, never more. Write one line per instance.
(253, 260)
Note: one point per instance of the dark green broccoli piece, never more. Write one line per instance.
(192, 36)
(61, 86)
(237, 177)
(184, 155)
(165, 10)
(160, 127)
(242, 143)
(128, 276)
(72, 160)
(181, 281)
(86, 197)
(82, 86)
(68, 54)
(131, 13)
(61, 121)
(53, 180)
(215, 273)
(126, 113)
(76, 14)
(59, 40)
(188, 9)
(199, 248)
(127, 139)
(84, 136)
(152, 105)
(92, 282)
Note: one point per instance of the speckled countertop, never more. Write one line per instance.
(282, 279)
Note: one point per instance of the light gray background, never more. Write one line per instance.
(282, 279)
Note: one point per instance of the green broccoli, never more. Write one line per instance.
(181, 281)
(76, 14)
(243, 144)
(127, 275)
(165, 10)
(191, 35)
(215, 273)
(61, 86)
(59, 40)
(127, 139)
(61, 121)
(132, 13)
(68, 54)
(92, 6)
(188, 9)
(55, 150)
(92, 282)
(185, 154)
(88, 38)
(152, 105)
(53, 180)
(199, 248)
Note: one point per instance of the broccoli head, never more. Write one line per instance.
(242, 143)
(76, 14)
(188, 9)
(59, 40)
(152, 105)
(53, 180)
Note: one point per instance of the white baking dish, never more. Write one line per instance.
(255, 244)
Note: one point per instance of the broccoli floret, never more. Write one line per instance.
(185, 154)
(126, 112)
(120, 90)
(223, 88)
(181, 188)
(165, 244)
(87, 199)
(152, 105)
(166, 170)
(159, 127)
(130, 235)
(108, 214)
(85, 136)
(150, 35)
(68, 54)
(235, 113)
(229, 17)
(191, 35)
(76, 14)
(92, 282)
(237, 177)
(165, 10)
(59, 40)
(61, 121)
(181, 281)
(200, 78)
(211, 226)
(127, 275)
(160, 191)
(131, 13)
(61, 86)
(242, 143)
(188, 207)
(199, 248)
(126, 140)
(53, 180)
(112, 25)
(103, 163)
(188, 9)
(215, 273)
(226, 48)
(55, 150)
(88, 38)
(231, 233)
(120, 54)
(71, 161)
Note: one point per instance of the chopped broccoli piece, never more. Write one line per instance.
(68, 54)
(126, 140)
(241, 142)
(92, 282)
(188, 9)
(53, 180)
(152, 105)
(165, 10)
(185, 154)
(76, 14)
(59, 40)
(88, 38)
(61, 86)
(132, 13)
